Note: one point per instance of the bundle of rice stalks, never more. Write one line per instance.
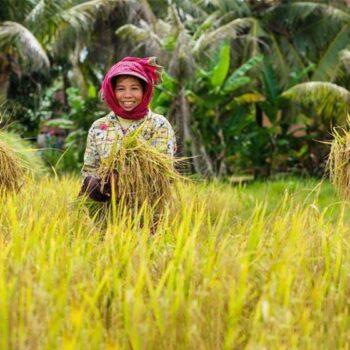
(29, 156)
(144, 175)
(339, 162)
(11, 169)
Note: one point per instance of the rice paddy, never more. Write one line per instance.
(262, 266)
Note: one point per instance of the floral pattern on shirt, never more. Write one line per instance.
(107, 132)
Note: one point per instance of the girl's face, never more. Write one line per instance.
(129, 92)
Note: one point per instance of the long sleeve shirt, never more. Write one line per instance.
(107, 133)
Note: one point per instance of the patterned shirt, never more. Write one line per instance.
(107, 132)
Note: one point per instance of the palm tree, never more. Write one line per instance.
(31, 31)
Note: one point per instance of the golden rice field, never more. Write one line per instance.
(261, 266)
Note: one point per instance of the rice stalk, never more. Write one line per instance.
(144, 175)
(11, 169)
(339, 162)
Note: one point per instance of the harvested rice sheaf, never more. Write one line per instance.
(339, 162)
(11, 169)
(144, 174)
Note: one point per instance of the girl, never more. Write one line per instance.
(127, 89)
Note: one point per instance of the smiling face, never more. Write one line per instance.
(129, 92)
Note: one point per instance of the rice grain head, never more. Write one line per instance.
(339, 162)
(145, 176)
(11, 170)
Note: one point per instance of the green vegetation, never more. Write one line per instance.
(251, 86)
(264, 265)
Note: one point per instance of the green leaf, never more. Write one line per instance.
(237, 78)
(227, 31)
(234, 84)
(249, 98)
(327, 66)
(169, 83)
(74, 98)
(220, 71)
(92, 93)
(162, 98)
(270, 81)
(196, 99)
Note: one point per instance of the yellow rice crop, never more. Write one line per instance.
(144, 174)
(339, 162)
(11, 169)
(263, 266)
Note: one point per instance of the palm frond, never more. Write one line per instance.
(228, 31)
(81, 17)
(137, 34)
(174, 19)
(293, 55)
(10, 10)
(326, 100)
(345, 59)
(293, 13)
(256, 32)
(206, 25)
(182, 64)
(14, 35)
(42, 11)
(191, 8)
(146, 10)
(239, 74)
(163, 28)
(329, 62)
(282, 66)
(309, 27)
(241, 8)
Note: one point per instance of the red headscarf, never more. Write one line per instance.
(143, 68)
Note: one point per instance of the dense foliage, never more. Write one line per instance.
(250, 86)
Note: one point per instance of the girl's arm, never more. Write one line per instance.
(91, 156)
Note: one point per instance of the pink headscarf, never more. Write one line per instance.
(143, 68)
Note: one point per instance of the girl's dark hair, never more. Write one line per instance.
(114, 81)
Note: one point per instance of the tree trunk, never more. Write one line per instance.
(190, 142)
(5, 69)
(201, 160)
(148, 13)
(184, 122)
(78, 76)
(222, 171)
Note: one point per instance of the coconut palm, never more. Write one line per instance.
(29, 30)
(322, 101)
(304, 32)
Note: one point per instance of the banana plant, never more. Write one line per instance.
(216, 109)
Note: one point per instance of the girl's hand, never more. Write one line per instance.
(92, 188)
